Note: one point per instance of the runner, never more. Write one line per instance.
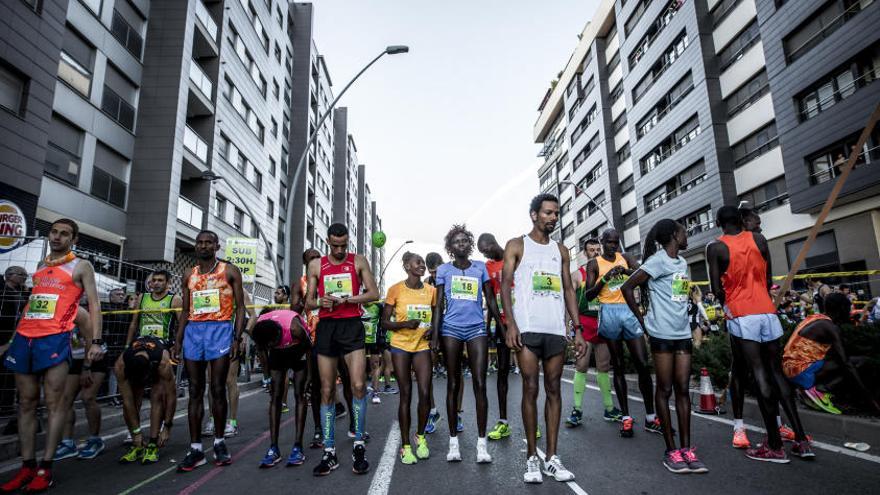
(589, 318)
(148, 341)
(280, 300)
(536, 291)
(334, 285)
(40, 349)
(494, 253)
(212, 292)
(372, 313)
(461, 287)
(665, 274)
(432, 262)
(605, 275)
(286, 336)
(411, 302)
(739, 271)
(313, 383)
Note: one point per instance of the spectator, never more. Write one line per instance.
(697, 315)
(13, 298)
(115, 331)
(846, 290)
(815, 294)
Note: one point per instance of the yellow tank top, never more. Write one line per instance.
(610, 293)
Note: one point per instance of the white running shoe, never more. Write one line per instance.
(483, 455)
(454, 455)
(230, 430)
(376, 399)
(533, 470)
(209, 428)
(553, 467)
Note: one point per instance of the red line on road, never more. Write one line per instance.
(217, 470)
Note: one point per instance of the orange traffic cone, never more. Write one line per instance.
(708, 403)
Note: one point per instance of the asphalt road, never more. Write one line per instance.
(603, 462)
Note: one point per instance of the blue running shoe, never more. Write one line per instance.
(296, 457)
(273, 457)
(433, 419)
(94, 446)
(65, 450)
(459, 425)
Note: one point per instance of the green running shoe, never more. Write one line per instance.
(151, 454)
(407, 456)
(422, 451)
(133, 455)
(501, 430)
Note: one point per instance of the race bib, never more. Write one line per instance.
(153, 330)
(206, 301)
(41, 306)
(593, 305)
(338, 285)
(465, 288)
(369, 332)
(616, 283)
(680, 287)
(546, 284)
(421, 312)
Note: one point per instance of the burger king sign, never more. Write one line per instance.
(13, 226)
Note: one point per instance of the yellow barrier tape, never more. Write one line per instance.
(176, 310)
(811, 275)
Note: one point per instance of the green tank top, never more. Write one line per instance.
(155, 323)
(370, 320)
(585, 307)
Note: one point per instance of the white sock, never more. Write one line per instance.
(738, 424)
(502, 421)
(650, 417)
(778, 421)
(453, 441)
(218, 441)
(196, 446)
(433, 411)
(482, 442)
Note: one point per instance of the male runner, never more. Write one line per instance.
(212, 291)
(740, 274)
(488, 246)
(144, 364)
(588, 310)
(432, 262)
(536, 276)
(40, 349)
(334, 286)
(372, 313)
(605, 275)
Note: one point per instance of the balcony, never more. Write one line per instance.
(189, 212)
(206, 20)
(195, 144)
(201, 80)
(205, 41)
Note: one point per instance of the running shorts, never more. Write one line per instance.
(544, 345)
(376, 348)
(395, 350)
(758, 328)
(295, 357)
(207, 340)
(336, 337)
(807, 379)
(590, 332)
(464, 334)
(617, 322)
(671, 345)
(34, 355)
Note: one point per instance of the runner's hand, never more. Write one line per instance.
(175, 352)
(328, 301)
(413, 324)
(513, 338)
(242, 348)
(85, 379)
(435, 342)
(164, 435)
(96, 352)
(580, 345)
(233, 351)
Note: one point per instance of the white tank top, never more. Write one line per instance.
(539, 305)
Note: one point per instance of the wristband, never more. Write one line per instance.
(136, 431)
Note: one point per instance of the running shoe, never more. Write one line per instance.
(231, 429)
(501, 430)
(151, 454)
(340, 410)
(285, 408)
(273, 457)
(65, 450)
(422, 451)
(317, 441)
(41, 481)
(390, 390)
(20, 480)
(374, 397)
(533, 470)
(740, 439)
(626, 427)
(208, 430)
(483, 456)
(94, 447)
(221, 455)
(359, 464)
(655, 426)
(803, 450)
(786, 433)
(693, 463)
(407, 456)
(327, 465)
(296, 457)
(764, 453)
(820, 401)
(433, 419)
(675, 463)
(351, 434)
(612, 415)
(537, 432)
(553, 467)
(459, 424)
(194, 458)
(454, 454)
(575, 418)
(133, 455)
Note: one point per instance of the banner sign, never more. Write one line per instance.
(242, 252)
(13, 226)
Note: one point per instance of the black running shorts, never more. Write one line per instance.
(337, 337)
(544, 345)
(294, 358)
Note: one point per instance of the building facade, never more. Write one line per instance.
(345, 176)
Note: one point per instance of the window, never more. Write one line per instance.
(568, 231)
(256, 23)
(594, 174)
(245, 57)
(588, 149)
(13, 87)
(75, 65)
(667, 102)
(566, 207)
(599, 201)
(123, 31)
(617, 92)
(623, 153)
(824, 165)
(822, 253)
(653, 31)
(722, 9)
(755, 145)
(241, 163)
(675, 141)
(276, 89)
(638, 12)
(258, 180)
(820, 25)
(619, 122)
(272, 167)
(631, 218)
(627, 185)
(238, 219)
(109, 176)
(255, 229)
(274, 127)
(840, 83)
(118, 93)
(748, 93)
(767, 196)
(232, 94)
(698, 221)
(64, 152)
(582, 215)
(614, 62)
(277, 52)
(270, 208)
(585, 122)
(673, 52)
(738, 46)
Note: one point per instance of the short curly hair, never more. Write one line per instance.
(454, 231)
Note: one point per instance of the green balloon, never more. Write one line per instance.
(379, 239)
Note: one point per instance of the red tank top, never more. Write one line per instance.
(52, 305)
(211, 297)
(745, 281)
(339, 280)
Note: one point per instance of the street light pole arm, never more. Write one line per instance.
(382, 273)
(578, 190)
(278, 280)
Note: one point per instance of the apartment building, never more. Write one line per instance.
(365, 215)
(703, 116)
(345, 176)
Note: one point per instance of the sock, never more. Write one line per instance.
(738, 424)
(433, 411)
(453, 441)
(482, 442)
(650, 418)
(359, 411)
(233, 422)
(580, 383)
(68, 441)
(502, 421)
(45, 464)
(218, 441)
(328, 425)
(778, 421)
(30, 463)
(421, 438)
(196, 446)
(604, 382)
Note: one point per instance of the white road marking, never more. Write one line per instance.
(382, 478)
(571, 484)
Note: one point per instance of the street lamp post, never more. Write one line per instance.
(211, 176)
(578, 191)
(291, 193)
(382, 273)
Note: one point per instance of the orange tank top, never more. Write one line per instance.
(52, 305)
(610, 293)
(210, 295)
(801, 352)
(745, 280)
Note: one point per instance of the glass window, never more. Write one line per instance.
(64, 152)
(12, 90)
(123, 31)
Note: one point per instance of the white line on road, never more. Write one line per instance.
(571, 484)
(382, 478)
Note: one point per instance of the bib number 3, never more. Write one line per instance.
(546, 284)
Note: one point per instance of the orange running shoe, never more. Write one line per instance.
(788, 435)
(740, 439)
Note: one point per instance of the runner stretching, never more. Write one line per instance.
(411, 302)
(40, 349)
(461, 287)
(334, 285)
(665, 276)
(536, 276)
(740, 274)
(617, 324)
(212, 292)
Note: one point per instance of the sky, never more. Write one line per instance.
(446, 130)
